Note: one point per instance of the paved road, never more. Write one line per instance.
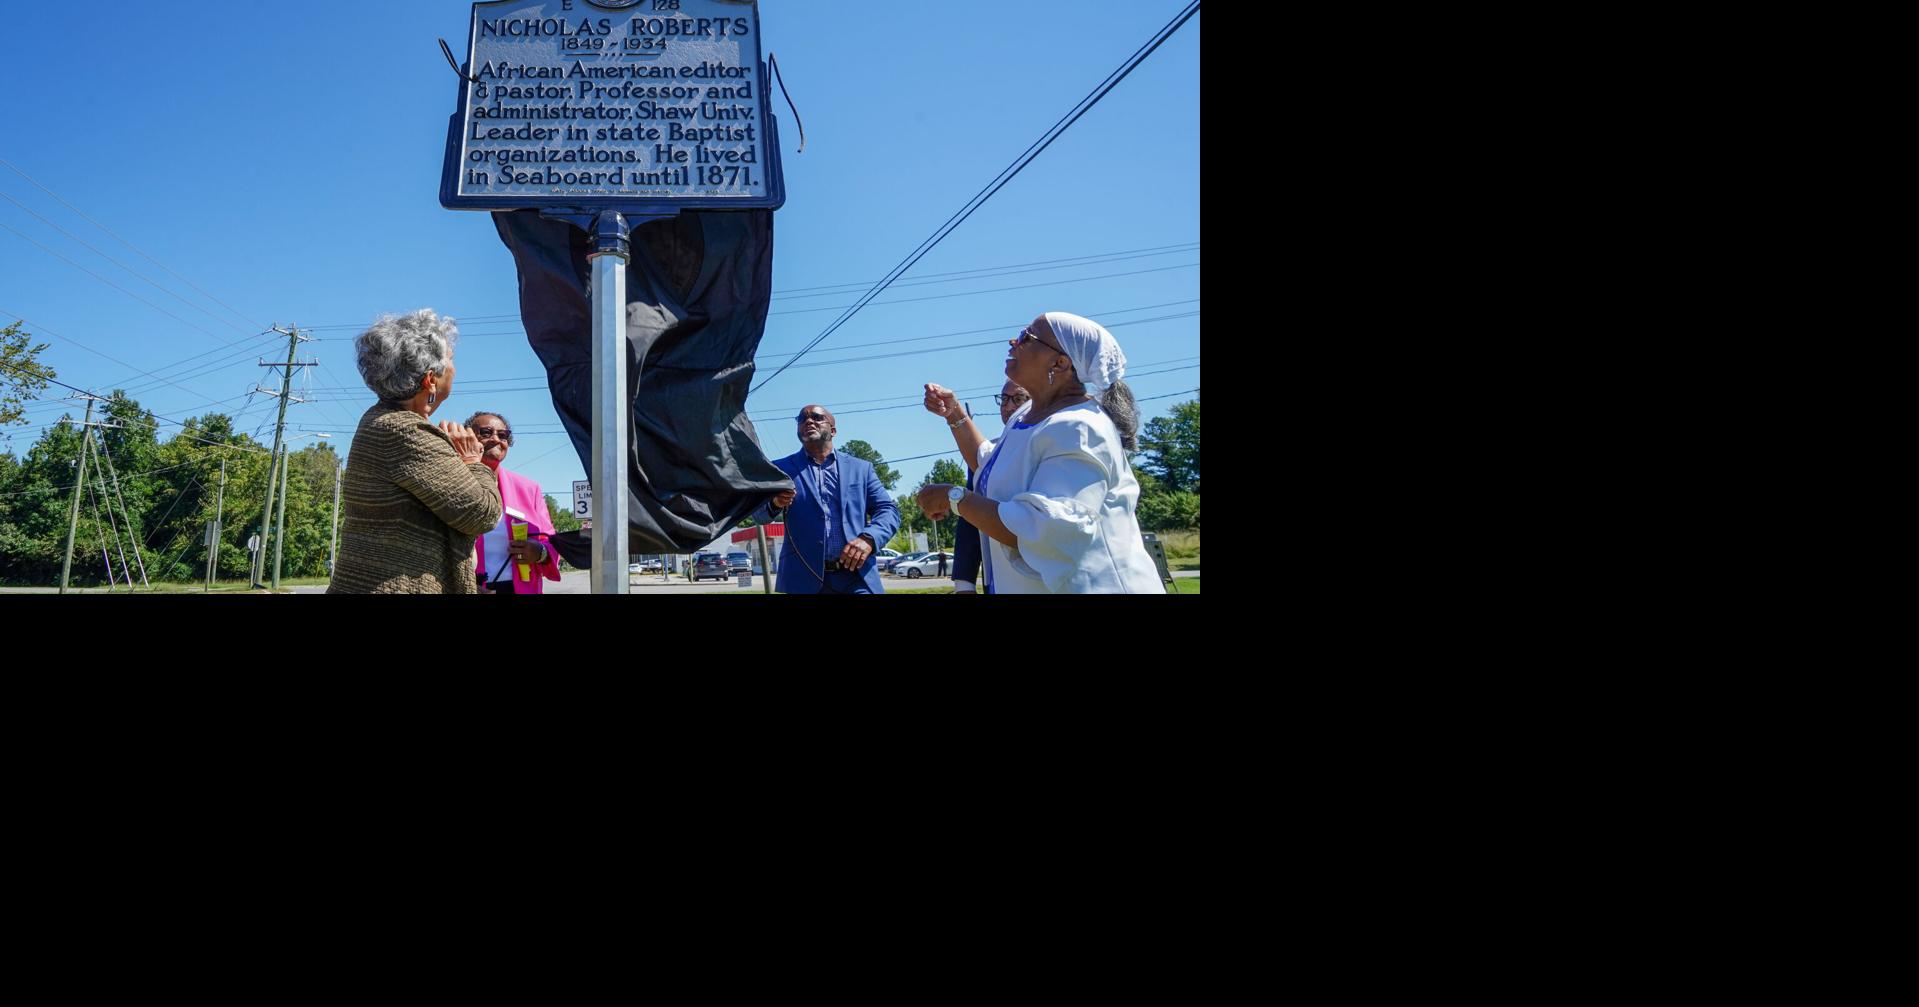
(574, 582)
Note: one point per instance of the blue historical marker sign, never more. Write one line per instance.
(626, 104)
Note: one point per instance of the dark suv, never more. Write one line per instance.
(708, 564)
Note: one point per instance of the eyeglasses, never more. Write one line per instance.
(816, 417)
(1026, 334)
(1000, 400)
(501, 432)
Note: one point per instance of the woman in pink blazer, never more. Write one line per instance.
(498, 556)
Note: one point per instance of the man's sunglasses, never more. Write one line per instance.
(501, 432)
(1000, 400)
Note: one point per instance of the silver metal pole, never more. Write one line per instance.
(611, 409)
(766, 564)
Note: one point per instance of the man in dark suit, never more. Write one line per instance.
(837, 515)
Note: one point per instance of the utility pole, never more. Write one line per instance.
(137, 558)
(294, 339)
(73, 510)
(219, 512)
(280, 536)
(124, 568)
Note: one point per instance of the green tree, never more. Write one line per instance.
(945, 471)
(1170, 445)
(1174, 510)
(21, 375)
(939, 533)
(912, 519)
(563, 517)
(866, 453)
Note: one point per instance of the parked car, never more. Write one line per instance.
(887, 557)
(738, 562)
(927, 565)
(708, 564)
(894, 567)
(648, 565)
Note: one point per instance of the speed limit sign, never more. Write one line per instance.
(582, 498)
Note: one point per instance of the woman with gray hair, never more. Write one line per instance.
(1055, 499)
(415, 494)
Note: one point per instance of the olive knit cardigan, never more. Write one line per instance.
(410, 509)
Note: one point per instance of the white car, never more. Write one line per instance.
(927, 565)
(887, 557)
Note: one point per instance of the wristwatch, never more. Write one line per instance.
(961, 418)
(954, 493)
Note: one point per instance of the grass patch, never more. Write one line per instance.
(222, 587)
(1182, 549)
(1183, 585)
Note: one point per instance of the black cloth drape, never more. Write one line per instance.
(697, 288)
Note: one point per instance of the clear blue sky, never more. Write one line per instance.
(286, 161)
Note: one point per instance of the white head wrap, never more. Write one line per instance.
(1094, 351)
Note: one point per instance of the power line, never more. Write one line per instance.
(1006, 175)
(142, 387)
(39, 329)
(16, 170)
(853, 346)
(1018, 267)
(962, 346)
(114, 285)
(1139, 372)
(89, 247)
(828, 289)
(994, 290)
(991, 328)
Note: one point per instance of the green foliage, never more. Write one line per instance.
(162, 494)
(1170, 446)
(1169, 471)
(1167, 511)
(912, 519)
(22, 376)
(945, 472)
(563, 516)
(939, 534)
(866, 453)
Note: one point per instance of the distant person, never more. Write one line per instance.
(837, 514)
(414, 495)
(966, 540)
(1056, 498)
(497, 555)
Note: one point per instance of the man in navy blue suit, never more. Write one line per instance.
(837, 515)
